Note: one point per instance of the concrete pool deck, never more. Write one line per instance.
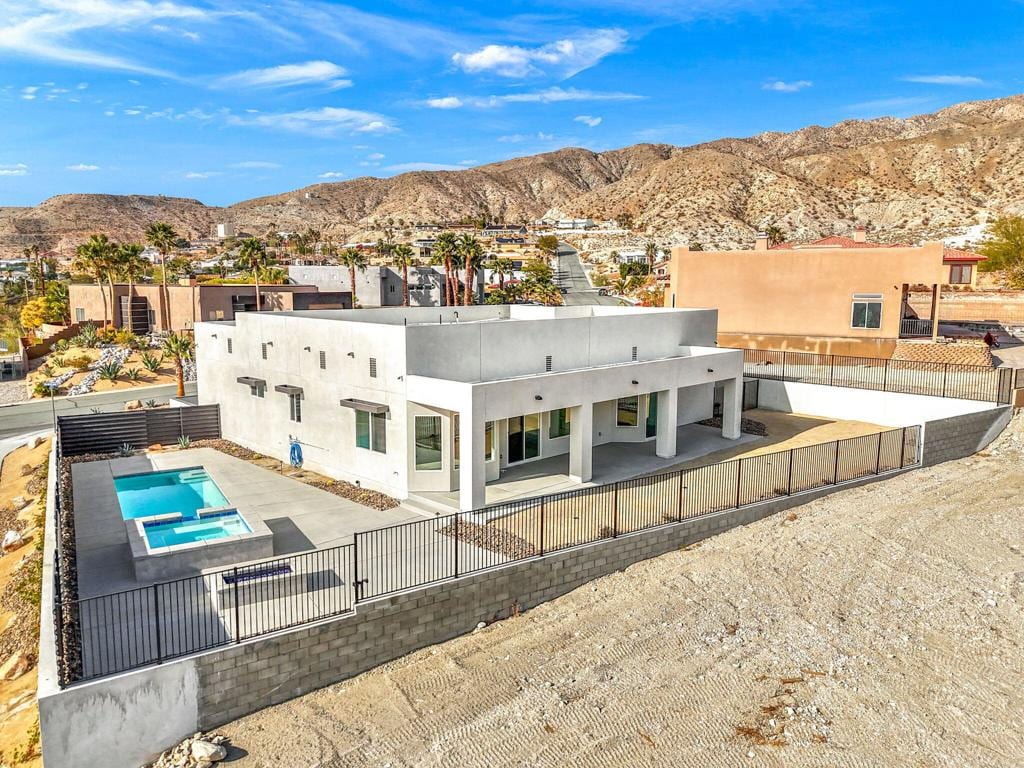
(302, 517)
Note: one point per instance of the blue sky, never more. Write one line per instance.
(224, 101)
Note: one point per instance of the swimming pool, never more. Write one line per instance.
(184, 491)
(208, 527)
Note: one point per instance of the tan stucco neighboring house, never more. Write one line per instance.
(187, 302)
(836, 295)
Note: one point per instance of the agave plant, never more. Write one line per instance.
(152, 362)
(87, 336)
(61, 345)
(150, 403)
(57, 360)
(109, 371)
(126, 449)
(184, 441)
(133, 374)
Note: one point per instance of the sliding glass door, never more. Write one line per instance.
(523, 438)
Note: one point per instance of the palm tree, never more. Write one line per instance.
(253, 256)
(354, 259)
(502, 266)
(131, 267)
(651, 252)
(775, 234)
(39, 269)
(444, 250)
(162, 236)
(403, 258)
(472, 253)
(93, 258)
(180, 349)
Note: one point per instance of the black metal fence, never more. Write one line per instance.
(122, 631)
(108, 432)
(968, 382)
(423, 552)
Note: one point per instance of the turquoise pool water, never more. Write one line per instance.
(209, 527)
(184, 491)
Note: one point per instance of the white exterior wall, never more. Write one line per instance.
(495, 367)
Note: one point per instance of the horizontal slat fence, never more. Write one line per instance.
(967, 382)
(108, 432)
(423, 552)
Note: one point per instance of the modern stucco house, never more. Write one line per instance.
(418, 399)
(839, 295)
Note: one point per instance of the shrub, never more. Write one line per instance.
(47, 370)
(109, 371)
(41, 390)
(184, 441)
(78, 362)
(57, 360)
(87, 336)
(151, 403)
(126, 449)
(152, 362)
(61, 345)
(132, 374)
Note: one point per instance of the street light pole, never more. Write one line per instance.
(53, 407)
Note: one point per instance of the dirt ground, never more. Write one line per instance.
(18, 711)
(879, 626)
(165, 374)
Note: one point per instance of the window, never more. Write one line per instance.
(323, 360)
(626, 410)
(79, 314)
(633, 356)
(295, 407)
(960, 274)
(371, 431)
(260, 390)
(558, 423)
(489, 441)
(428, 442)
(152, 317)
(547, 363)
(373, 367)
(230, 347)
(867, 310)
(263, 351)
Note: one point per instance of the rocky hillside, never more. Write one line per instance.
(911, 178)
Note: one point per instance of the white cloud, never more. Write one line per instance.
(287, 75)
(83, 167)
(787, 87)
(593, 122)
(325, 122)
(18, 169)
(201, 174)
(406, 167)
(29, 92)
(375, 156)
(944, 79)
(109, 113)
(444, 102)
(255, 164)
(518, 138)
(46, 29)
(554, 95)
(563, 58)
(331, 175)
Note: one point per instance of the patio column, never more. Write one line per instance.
(668, 409)
(472, 474)
(581, 443)
(935, 311)
(732, 408)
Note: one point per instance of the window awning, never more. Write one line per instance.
(249, 381)
(364, 405)
(288, 389)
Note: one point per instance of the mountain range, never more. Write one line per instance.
(907, 179)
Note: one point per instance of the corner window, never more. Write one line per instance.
(371, 431)
(558, 423)
(428, 442)
(960, 274)
(626, 410)
(867, 311)
(295, 407)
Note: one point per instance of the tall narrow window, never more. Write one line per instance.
(79, 314)
(558, 423)
(295, 407)
(489, 441)
(363, 429)
(626, 410)
(428, 442)
(379, 432)
(258, 389)
(323, 360)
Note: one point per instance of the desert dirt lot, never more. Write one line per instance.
(880, 626)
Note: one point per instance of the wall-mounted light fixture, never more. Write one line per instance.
(270, 343)
(635, 382)
(537, 397)
(351, 354)
(711, 370)
(213, 335)
(307, 349)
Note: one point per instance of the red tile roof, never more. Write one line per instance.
(838, 241)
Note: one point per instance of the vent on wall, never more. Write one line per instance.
(634, 354)
(373, 367)
(323, 360)
(547, 363)
(230, 347)
(263, 349)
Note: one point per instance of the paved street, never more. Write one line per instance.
(569, 274)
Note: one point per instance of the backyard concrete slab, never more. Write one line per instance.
(301, 517)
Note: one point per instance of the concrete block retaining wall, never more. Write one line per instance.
(958, 436)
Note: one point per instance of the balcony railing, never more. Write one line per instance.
(912, 326)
